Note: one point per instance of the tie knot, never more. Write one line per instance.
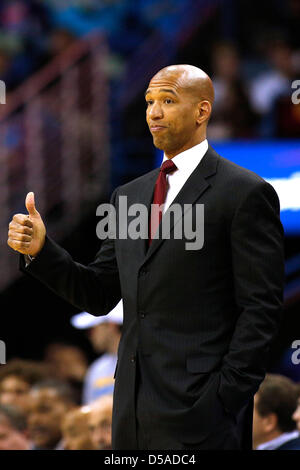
(168, 166)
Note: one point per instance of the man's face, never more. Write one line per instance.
(45, 416)
(258, 426)
(171, 114)
(14, 391)
(100, 427)
(75, 429)
(296, 415)
(10, 438)
(69, 362)
(264, 427)
(99, 337)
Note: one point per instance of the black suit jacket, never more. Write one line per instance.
(293, 444)
(202, 321)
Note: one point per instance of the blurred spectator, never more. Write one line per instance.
(296, 415)
(50, 401)
(232, 115)
(13, 430)
(226, 68)
(274, 405)
(293, 21)
(67, 362)
(277, 81)
(24, 25)
(271, 92)
(16, 379)
(20, 18)
(286, 117)
(5, 65)
(104, 334)
(75, 430)
(100, 422)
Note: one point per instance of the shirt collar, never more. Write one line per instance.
(278, 441)
(188, 160)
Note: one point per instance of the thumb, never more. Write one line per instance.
(30, 205)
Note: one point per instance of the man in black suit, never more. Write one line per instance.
(199, 318)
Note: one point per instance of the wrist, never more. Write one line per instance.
(34, 255)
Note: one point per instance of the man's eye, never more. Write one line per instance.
(168, 101)
(149, 102)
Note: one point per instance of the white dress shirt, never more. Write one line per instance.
(186, 163)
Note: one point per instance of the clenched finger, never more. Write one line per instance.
(22, 219)
(13, 235)
(20, 228)
(16, 245)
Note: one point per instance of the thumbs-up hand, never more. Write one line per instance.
(27, 233)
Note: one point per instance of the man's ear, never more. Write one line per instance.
(203, 111)
(270, 422)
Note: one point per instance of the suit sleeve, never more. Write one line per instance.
(94, 288)
(258, 270)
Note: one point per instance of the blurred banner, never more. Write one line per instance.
(278, 162)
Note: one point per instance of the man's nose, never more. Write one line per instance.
(156, 111)
(296, 415)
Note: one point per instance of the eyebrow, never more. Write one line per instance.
(164, 90)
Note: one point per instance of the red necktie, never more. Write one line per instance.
(160, 192)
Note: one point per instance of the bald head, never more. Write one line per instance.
(190, 78)
(75, 429)
(179, 104)
(100, 421)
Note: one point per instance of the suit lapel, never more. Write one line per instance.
(193, 188)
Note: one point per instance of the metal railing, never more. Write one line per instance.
(54, 140)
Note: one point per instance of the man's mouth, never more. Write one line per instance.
(37, 431)
(157, 128)
(104, 447)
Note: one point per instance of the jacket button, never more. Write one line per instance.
(132, 359)
(143, 272)
(142, 314)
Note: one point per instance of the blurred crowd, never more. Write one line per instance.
(252, 80)
(62, 402)
(254, 99)
(32, 32)
(40, 408)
